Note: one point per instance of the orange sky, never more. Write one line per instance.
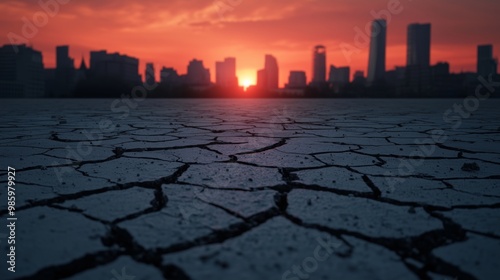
(170, 33)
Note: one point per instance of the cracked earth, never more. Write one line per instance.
(250, 189)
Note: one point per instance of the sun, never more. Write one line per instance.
(246, 83)
(246, 77)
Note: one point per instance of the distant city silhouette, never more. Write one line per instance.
(109, 75)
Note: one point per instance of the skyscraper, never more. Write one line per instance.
(376, 64)
(418, 58)
(64, 73)
(272, 72)
(319, 65)
(149, 75)
(21, 72)
(268, 78)
(486, 64)
(419, 45)
(63, 61)
(225, 73)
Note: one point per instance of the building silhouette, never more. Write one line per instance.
(419, 45)
(64, 73)
(339, 75)
(225, 73)
(105, 65)
(21, 72)
(149, 74)
(319, 65)
(418, 57)
(296, 80)
(486, 64)
(170, 80)
(268, 78)
(338, 78)
(272, 71)
(168, 75)
(376, 63)
(441, 70)
(63, 61)
(197, 74)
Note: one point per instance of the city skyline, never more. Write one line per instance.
(239, 32)
(150, 71)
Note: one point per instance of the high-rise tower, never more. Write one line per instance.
(376, 64)
(486, 64)
(319, 64)
(419, 45)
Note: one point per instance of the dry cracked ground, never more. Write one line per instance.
(252, 189)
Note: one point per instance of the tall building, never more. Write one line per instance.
(376, 64)
(419, 45)
(297, 80)
(63, 61)
(418, 58)
(149, 75)
(225, 73)
(64, 80)
(319, 65)
(262, 79)
(272, 71)
(114, 65)
(486, 64)
(21, 72)
(197, 74)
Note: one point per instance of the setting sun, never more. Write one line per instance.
(246, 83)
(246, 77)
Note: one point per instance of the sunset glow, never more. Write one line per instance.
(246, 77)
(246, 83)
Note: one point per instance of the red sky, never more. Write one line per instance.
(170, 33)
